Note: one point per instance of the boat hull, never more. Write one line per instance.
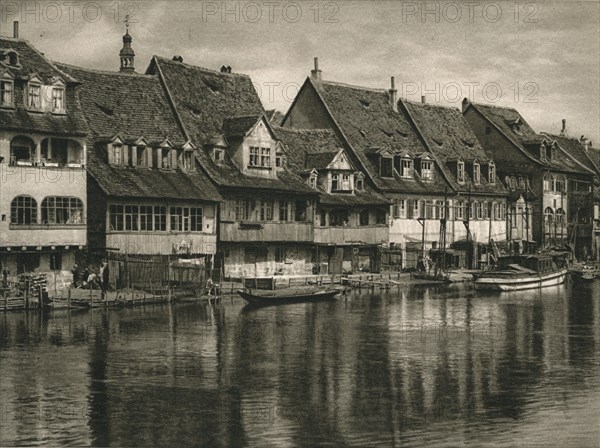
(490, 282)
(274, 299)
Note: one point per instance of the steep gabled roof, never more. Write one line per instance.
(365, 119)
(130, 104)
(450, 138)
(204, 101)
(524, 137)
(576, 150)
(138, 183)
(239, 126)
(309, 149)
(33, 63)
(323, 145)
(204, 98)
(129, 107)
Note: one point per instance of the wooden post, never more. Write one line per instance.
(26, 294)
(69, 299)
(91, 296)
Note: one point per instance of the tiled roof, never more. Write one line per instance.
(315, 148)
(449, 137)
(204, 101)
(274, 116)
(239, 126)
(149, 183)
(134, 106)
(525, 138)
(131, 104)
(367, 121)
(576, 149)
(322, 144)
(31, 62)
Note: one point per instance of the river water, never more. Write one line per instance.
(412, 366)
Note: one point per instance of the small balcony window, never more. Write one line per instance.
(407, 168)
(492, 173)
(461, 171)
(476, 173)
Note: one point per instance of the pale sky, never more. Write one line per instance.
(544, 57)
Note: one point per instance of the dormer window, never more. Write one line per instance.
(218, 155)
(427, 169)
(265, 156)
(312, 181)
(7, 88)
(346, 184)
(117, 154)
(34, 96)
(335, 182)
(10, 57)
(406, 165)
(140, 155)
(165, 153)
(259, 157)
(188, 159)
(386, 166)
(476, 173)
(359, 183)
(492, 173)
(460, 174)
(58, 99)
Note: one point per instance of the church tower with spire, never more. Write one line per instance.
(127, 54)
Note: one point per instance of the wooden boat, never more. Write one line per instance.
(288, 296)
(515, 273)
(584, 272)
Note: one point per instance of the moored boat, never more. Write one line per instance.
(287, 296)
(515, 273)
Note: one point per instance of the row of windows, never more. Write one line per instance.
(246, 210)
(434, 209)
(341, 218)
(153, 218)
(55, 210)
(145, 156)
(405, 168)
(556, 184)
(34, 96)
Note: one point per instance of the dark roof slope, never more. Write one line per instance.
(576, 150)
(526, 137)
(206, 101)
(32, 62)
(131, 104)
(315, 148)
(239, 126)
(204, 98)
(449, 137)
(368, 122)
(134, 106)
(322, 144)
(149, 183)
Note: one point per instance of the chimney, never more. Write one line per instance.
(177, 58)
(465, 104)
(229, 69)
(316, 75)
(16, 29)
(423, 99)
(393, 94)
(563, 131)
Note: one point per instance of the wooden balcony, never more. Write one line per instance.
(267, 231)
(375, 234)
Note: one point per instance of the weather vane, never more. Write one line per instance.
(127, 21)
